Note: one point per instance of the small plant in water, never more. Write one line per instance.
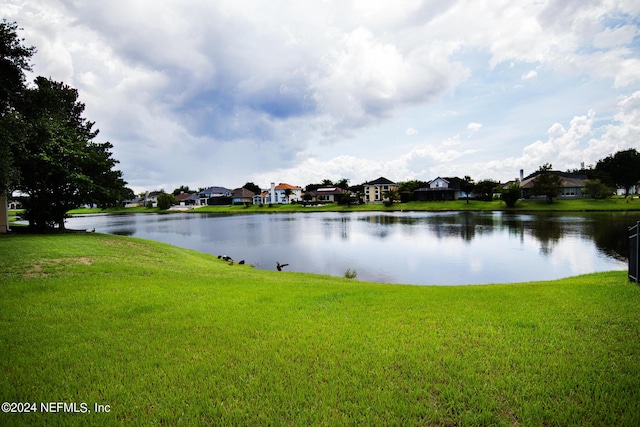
(350, 274)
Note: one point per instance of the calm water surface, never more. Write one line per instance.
(405, 247)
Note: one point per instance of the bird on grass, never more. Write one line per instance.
(279, 266)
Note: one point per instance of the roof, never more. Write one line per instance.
(381, 181)
(328, 191)
(568, 179)
(242, 193)
(185, 196)
(215, 190)
(284, 186)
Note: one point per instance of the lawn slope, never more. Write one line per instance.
(169, 336)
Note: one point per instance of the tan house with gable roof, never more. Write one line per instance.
(374, 190)
(572, 184)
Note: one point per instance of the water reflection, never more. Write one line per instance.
(410, 247)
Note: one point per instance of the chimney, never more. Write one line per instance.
(273, 192)
(521, 174)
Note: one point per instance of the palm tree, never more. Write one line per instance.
(467, 185)
(287, 193)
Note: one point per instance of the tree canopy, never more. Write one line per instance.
(621, 169)
(484, 189)
(53, 160)
(14, 62)
(511, 194)
(547, 183)
(252, 187)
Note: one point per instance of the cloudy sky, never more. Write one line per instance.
(221, 92)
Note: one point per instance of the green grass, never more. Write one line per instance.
(562, 205)
(168, 336)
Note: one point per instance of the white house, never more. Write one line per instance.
(277, 194)
(441, 188)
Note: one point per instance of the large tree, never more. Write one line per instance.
(621, 169)
(486, 188)
(547, 183)
(14, 62)
(252, 187)
(407, 188)
(62, 168)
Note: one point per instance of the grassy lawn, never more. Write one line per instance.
(169, 336)
(563, 205)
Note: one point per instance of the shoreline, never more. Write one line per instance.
(524, 206)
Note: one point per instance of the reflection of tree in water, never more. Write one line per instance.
(514, 224)
(467, 226)
(548, 231)
(610, 232)
(464, 224)
(384, 221)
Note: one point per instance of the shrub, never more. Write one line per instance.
(165, 200)
(596, 189)
(350, 274)
(511, 194)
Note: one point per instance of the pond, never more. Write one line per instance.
(420, 248)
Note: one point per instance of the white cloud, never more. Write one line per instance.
(474, 127)
(221, 91)
(611, 37)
